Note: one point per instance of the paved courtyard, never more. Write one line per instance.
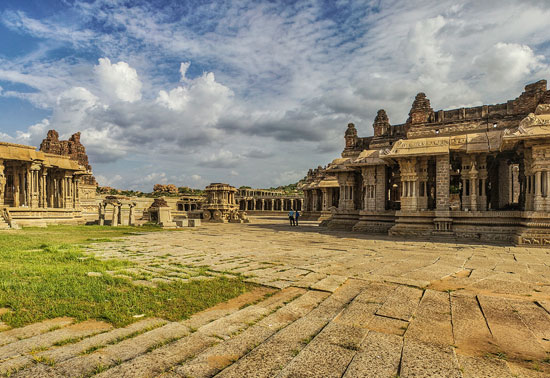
(331, 304)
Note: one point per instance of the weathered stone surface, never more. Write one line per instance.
(484, 367)
(378, 357)
(401, 304)
(428, 360)
(356, 331)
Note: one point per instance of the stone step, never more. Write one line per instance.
(332, 350)
(31, 330)
(98, 341)
(161, 359)
(222, 355)
(39, 371)
(125, 350)
(269, 358)
(13, 356)
(113, 354)
(71, 360)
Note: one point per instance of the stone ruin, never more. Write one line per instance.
(221, 205)
(122, 208)
(72, 148)
(160, 213)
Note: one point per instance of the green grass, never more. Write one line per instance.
(44, 274)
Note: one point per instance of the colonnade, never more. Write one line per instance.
(188, 206)
(321, 199)
(122, 213)
(221, 197)
(36, 186)
(442, 182)
(471, 179)
(271, 204)
(537, 176)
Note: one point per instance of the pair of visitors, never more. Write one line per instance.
(293, 217)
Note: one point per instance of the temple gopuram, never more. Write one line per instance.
(51, 185)
(480, 173)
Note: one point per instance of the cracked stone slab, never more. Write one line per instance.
(402, 303)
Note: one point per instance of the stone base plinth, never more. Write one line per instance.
(194, 222)
(168, 225)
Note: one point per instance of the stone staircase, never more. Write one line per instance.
(356, 329)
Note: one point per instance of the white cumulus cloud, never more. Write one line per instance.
(119, 81)
(507, 63)
(203, 99)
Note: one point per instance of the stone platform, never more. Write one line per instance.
(343, 305)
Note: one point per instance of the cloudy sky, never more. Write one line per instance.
(249, 92)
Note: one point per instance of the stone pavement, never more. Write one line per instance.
(338, 304)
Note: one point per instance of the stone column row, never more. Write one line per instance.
(123, 214)
(34, 186)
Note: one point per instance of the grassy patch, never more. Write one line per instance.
(44, 274)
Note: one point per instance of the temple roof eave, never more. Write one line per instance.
(9, 151)
(480, 142)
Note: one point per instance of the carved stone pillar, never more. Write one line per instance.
(124, 215)
(422, 184)
(346, 182)
(42, 195)
(482, 177)
(314, 200)
(76, 193)
(539, 202)
(474, 186)
(2, 183)
(324, 199)
(370, 188)
(101, 210)
(114, 222)
(17, 188)
(442, 182)
(132, 215)
(410, 179)
(63, 192)
(504, 187)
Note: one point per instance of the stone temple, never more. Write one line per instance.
(52, 185)
(480, 173)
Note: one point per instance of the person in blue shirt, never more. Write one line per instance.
(296, 216)
(291, 217)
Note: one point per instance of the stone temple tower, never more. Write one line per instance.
(421, 111)
(351, 136)
(381, 124)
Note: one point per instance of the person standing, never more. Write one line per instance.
(296, 216)
(291, 217)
